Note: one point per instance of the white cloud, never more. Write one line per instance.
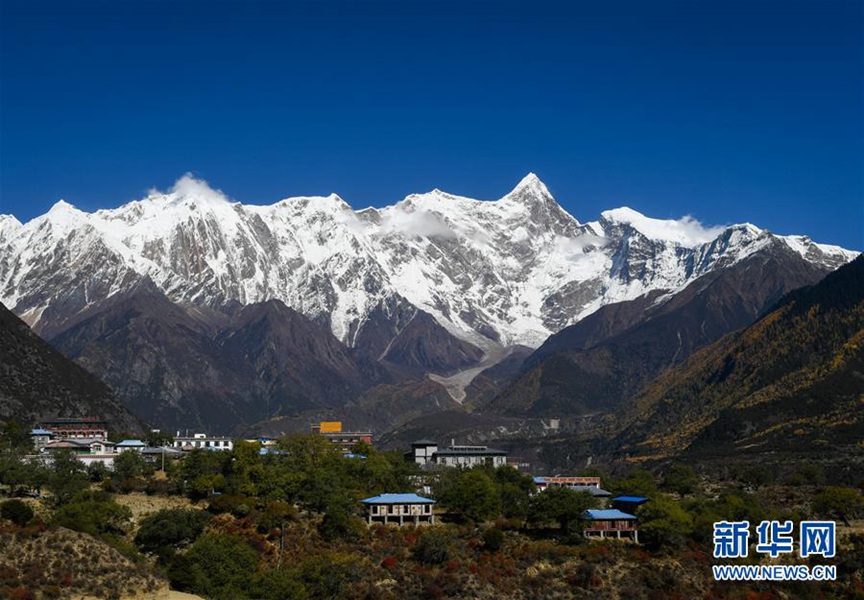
(189, 186)
(686, 230)
(414, 223)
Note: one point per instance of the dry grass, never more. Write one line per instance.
(58, 563)
(143, 505)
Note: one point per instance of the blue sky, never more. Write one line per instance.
(728, 111)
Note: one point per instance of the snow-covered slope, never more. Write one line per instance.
(503, 272)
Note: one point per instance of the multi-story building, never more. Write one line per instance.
(332, 430)
(68, 428)
(202, 440)
(425, 452)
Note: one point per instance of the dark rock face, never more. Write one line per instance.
(221, 371)
(595, 365)
(37, 382)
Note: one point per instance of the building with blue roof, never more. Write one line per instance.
(400, 509)
(610, 522)
(628, 504)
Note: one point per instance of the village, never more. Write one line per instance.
(87, 439)
(325, 513)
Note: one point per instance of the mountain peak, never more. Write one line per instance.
(62, 206)
(685, 231)
(532, 185)
(189, 187)
(10, 221)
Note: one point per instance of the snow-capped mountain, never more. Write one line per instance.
(493, 273)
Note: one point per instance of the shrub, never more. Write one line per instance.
(472, 494)
(239, 506)
(219, 566)
(95, 513)
(338, 523)
(493, 539)
(276, 584)
(838, 503)
(433, 547)
(167, 529)
(16, 511)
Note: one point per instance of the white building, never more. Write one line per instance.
(425, 452)
(470, 456)
(202, 440)
(421, 451)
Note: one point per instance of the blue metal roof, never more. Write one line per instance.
(594, 491)
(41, 432)
(539, 480)
(633, 499)
(135, 443)
(608, 515)
(398, 499)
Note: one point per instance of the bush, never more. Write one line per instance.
(841, 503)
(276, 584)
(168, 529)
(16, 511)
(218, 566)
(681, 479)
(433, 547)
(338, 523)
(493, 539)
(471, 494)
(95, 513)
(239, 506)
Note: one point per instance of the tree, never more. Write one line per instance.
(312, 471)
(16, 511)
(247, 469)
(95, 513)
(157, 439)
(560, 505)
(15, 437)
(220, 566)
(681, 479)
(169, 529)
(515, 490)
(202, 472)
(66, 478)
(470, 494)
(663, 522)
(638, 482)
(129, 465)
(13, 470)
(97, 472)
(837, 502)
(340, 523)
